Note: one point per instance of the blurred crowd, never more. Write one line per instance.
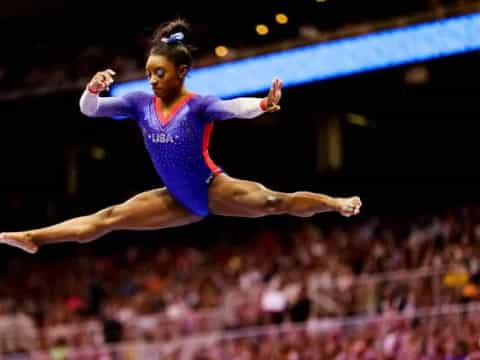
(451, 335)
(160, 292)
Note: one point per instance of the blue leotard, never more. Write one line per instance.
(177, 143)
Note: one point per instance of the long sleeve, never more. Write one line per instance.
(93, 105)
(242, 108)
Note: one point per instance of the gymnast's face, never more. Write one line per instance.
(165, 78)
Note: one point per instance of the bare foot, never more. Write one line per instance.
(349, 206)
(19, 240)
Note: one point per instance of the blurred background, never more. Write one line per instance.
(400, 281)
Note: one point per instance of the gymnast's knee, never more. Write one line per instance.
(275, 203)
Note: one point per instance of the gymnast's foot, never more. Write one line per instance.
(349, 206)
(19, 240)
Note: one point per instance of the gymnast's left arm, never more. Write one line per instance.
(246, 107)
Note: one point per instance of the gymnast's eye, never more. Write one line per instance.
(160, 72)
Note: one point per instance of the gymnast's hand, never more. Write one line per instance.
(101, 81)
(273, 97)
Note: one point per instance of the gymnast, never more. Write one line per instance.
(176, 125)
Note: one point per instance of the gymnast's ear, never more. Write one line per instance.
(182, 71)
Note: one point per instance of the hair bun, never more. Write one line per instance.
(173, 31)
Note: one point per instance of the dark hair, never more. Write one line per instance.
(177, 51)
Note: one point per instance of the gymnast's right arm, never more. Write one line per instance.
(93, 105)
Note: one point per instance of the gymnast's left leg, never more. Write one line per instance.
(233, 197)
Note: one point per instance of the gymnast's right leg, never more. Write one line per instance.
(154, 209)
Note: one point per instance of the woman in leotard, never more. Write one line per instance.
(176, 125)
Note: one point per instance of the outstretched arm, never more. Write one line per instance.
(91, 104)
(246, 107)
